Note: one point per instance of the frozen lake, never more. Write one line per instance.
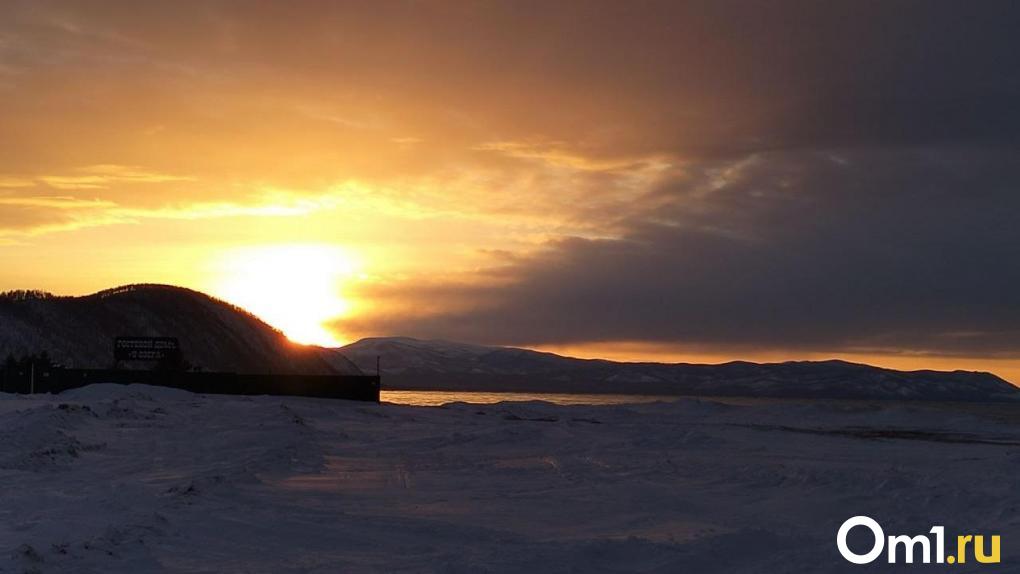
(141, 479)
(437, 398)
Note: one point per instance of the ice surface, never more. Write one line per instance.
(141, 479)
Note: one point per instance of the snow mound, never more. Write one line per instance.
(113, 392)
(45, 438)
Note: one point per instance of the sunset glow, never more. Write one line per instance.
(667, 177)
(295, 288)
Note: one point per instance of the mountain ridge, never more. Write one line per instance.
(409, 363)
(217, 336)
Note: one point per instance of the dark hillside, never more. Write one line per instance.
(214, 335)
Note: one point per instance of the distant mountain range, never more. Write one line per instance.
(214, 335)
(408, 363)
(217, 336)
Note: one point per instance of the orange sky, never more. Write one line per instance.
(343, 172)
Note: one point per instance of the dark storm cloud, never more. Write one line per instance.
(865, 250)
(697, 78)
(853, 182)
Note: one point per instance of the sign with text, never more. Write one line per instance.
(145, 348)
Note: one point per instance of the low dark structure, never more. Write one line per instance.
(38, 374)
(41, 378)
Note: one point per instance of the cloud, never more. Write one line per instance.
(861, 251)
(406, 140)
(558, 154)
(13, 182)
(692, 79)
(56, 202)
(105, 175)
(34, 215)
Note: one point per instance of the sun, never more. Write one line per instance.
(296, 288)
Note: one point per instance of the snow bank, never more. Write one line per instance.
(113, 478)
(112, 391)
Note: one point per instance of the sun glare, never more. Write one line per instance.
(295, 288)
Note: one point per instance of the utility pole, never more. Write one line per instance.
(31, 378)
(378, 360)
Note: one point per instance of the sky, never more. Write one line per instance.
(677, 181)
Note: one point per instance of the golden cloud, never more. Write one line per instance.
(102, 176)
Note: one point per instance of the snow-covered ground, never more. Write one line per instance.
(142, 479)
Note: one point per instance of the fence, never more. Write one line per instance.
(45, 379)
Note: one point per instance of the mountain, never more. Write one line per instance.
(416, 364)
(217, 336)
(213, 335)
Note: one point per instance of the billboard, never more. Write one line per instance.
(145, 348)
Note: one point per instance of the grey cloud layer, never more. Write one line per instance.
(853, 182)
(861, 250)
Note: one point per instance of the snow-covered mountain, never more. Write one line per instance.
(417, 364)
(214, 335)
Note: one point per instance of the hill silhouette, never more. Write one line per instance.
(214, 335)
